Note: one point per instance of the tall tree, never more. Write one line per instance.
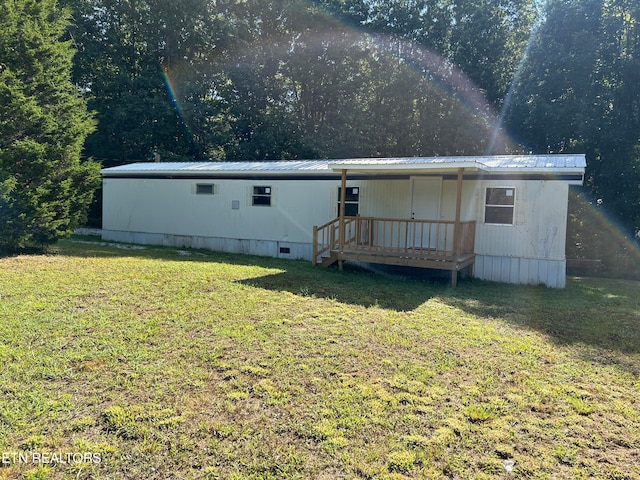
(287, 78)
(615, 172)
(486, 41)
(146, 64)
(45, 187)
(462, 81)
(579, 91)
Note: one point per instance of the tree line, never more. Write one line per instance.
(287, 79)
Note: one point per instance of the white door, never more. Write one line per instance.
(425, 205)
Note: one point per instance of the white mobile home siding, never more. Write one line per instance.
(169, 212)
(469, 200)
(532, 250)
(158, 204)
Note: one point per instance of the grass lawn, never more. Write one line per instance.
(163, 364)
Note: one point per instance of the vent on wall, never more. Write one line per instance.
(286, 250)
(205, 188)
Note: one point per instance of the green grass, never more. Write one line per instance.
(166, 365)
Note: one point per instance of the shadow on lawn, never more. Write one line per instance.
(400, 289)
(354, 286)
(592, 312)
(596, 312)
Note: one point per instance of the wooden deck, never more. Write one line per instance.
(442, 245)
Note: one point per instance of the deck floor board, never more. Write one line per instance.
(411, 259)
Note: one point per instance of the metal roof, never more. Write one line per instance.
(499, 163)
(572, 161)
(503, 163)
(282, 166)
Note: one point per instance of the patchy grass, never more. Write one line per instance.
(166, 364)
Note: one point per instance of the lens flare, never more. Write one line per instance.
(460, 100)
(441, 79)
(175, 102)
(605, 224)
(516, 77)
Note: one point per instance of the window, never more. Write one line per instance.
(352, 197)
(499, 205)
(205, 189)
(261, 196)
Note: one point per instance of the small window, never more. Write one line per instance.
(351, 201)
(499, 206)
(205, 189)
(261, 196)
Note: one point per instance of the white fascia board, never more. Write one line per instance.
(549, 171)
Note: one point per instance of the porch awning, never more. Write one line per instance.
(528, 164)
(408, 164)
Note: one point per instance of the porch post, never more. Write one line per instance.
(314, 248)
(456, 226)
(341, 224)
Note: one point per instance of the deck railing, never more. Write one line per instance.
(404, 236)
(325, 238)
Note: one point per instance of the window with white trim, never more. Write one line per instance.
(261, 196)
(499, 205)
(351, 201)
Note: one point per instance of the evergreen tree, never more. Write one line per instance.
(45, 187)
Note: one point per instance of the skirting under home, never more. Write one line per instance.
(500, 218)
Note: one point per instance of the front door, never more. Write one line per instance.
(425, 205)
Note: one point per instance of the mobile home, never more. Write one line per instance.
(502, 218)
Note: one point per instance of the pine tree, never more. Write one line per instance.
(45, 186)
